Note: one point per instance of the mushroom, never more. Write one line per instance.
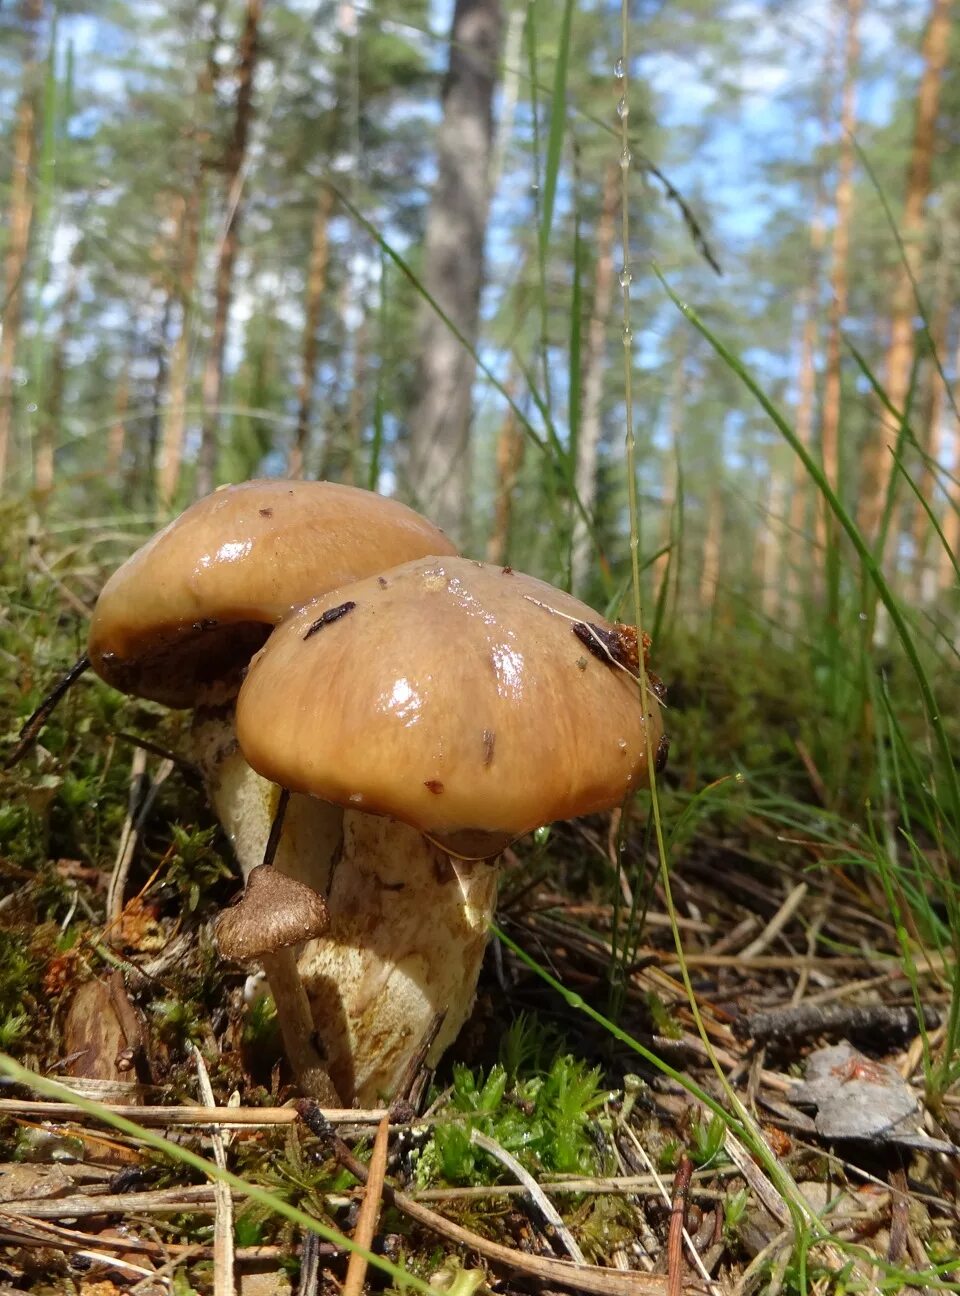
(449, 706)
(179, 621)
(274, 914)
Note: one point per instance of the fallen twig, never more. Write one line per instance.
(545, 1206)
(225, 1117)
(678, 1220)
(810, 1019)
(369, 1211)
(223, 1258)
(161, 1201)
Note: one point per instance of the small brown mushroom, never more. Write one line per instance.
(274, 914)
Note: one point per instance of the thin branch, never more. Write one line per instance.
(543, 1203)
(369, 1211)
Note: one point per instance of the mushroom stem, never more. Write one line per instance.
(296, 1026)
(273, 916)
(408, 929)
(408, 923)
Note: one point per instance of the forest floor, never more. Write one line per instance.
(793, 1131)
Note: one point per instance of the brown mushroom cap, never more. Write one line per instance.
(273, 912)
(469, 701)
(190, 608)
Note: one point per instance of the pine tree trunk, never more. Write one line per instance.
(357, 403)
(877, 460)
(773, 552)
(117, 435)
(142, 465)
(930, 432)
(212, 385)
(798, 567)
(52, 411)
(669, 560)
(946, 576)
(710, 569)
(175, 417)
(438, 471)
(316, 287)
(509, 456)
(19, 220)
(839, 284)
(588, 442)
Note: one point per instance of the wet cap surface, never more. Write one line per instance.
(190, 608)
(453, 695)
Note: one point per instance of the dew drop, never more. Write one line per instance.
(626, 157)
(625, 276)
(623, 109)
(618, 69)
(627, 335)
(32, 408)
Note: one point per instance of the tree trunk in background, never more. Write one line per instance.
(235, 161)
(773, 551)
(141, 468)
(19, 219)
(510, 451)
(316, 287)
(117, 435)
(175, 417)
(710, 569)
(797, 562)
(930, 435)
(669, 560)
(438, 472)
(946, 576)
(797, 557)
(585, 475)
(877, 459)
(354, 447)
(52, 409)
(839, 284)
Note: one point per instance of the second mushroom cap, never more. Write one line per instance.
(470, 701)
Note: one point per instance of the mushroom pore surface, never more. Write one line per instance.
(469, 701)
(188, 610)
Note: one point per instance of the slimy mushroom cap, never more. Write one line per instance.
(188, 610)
(467, 700)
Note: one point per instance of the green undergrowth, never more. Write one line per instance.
(540, 1110)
